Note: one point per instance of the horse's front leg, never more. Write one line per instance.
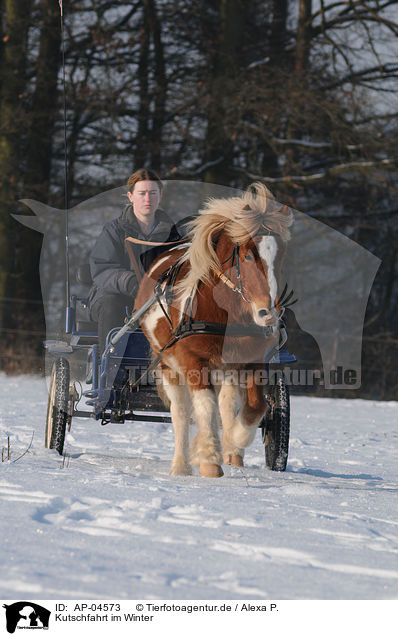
(177, 393)
(206, 449)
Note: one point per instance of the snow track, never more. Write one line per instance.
(113, 524)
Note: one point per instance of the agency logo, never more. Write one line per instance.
(26, 615)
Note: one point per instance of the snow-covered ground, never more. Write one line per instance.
(113, 524)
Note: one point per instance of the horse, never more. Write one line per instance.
(217, 317)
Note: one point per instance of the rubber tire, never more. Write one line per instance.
(57, 409)
(277, 428)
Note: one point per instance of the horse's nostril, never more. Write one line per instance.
(262, 313)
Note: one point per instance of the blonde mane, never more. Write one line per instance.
(241, 218)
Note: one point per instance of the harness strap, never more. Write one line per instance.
(219, 329)
(159, 293)
(171, 281)
(185, 323)
(137, 241)
(169, 276)
(199, 327)
(133, 261)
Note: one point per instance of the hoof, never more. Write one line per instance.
(211, 470)
(180, 469)
(233, 460)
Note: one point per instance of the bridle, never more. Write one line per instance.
(284, 299)
(239, 289)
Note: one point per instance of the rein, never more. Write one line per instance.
(137, 241)
(130, 239)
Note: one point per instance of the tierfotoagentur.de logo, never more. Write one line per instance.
(26, 615)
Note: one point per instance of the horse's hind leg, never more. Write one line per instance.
(177, 393)
(206, 451)
(227, 403)
(252, 409)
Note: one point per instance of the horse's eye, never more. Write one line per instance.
(248, 257)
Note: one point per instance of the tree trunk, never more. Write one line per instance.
(224, 62)
(13, 124)
(2, 35)
(278, 39)
(160, 86)
(303, 40)
(280, 66)
(26, 284)
(39, 150)
(142, 137)
(299, 82)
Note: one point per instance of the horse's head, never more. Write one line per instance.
(252, 270)
(241, 241)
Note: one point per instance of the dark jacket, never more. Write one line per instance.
(110, 265)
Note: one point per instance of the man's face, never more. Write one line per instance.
(145, 198)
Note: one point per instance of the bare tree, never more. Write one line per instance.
(16, 15)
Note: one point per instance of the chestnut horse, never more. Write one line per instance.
(218, 317)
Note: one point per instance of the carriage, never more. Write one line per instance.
(121, 384)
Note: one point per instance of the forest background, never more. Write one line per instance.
(299, 94)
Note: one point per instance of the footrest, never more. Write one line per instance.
(57, 347)
(283, 357)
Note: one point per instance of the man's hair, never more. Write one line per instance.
(143, 175)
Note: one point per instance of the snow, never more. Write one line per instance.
(109, 522)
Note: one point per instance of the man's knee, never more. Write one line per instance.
(111, 307)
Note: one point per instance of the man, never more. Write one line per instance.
(116, 272)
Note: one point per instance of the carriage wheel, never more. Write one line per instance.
(57, 410)
(276, 426)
